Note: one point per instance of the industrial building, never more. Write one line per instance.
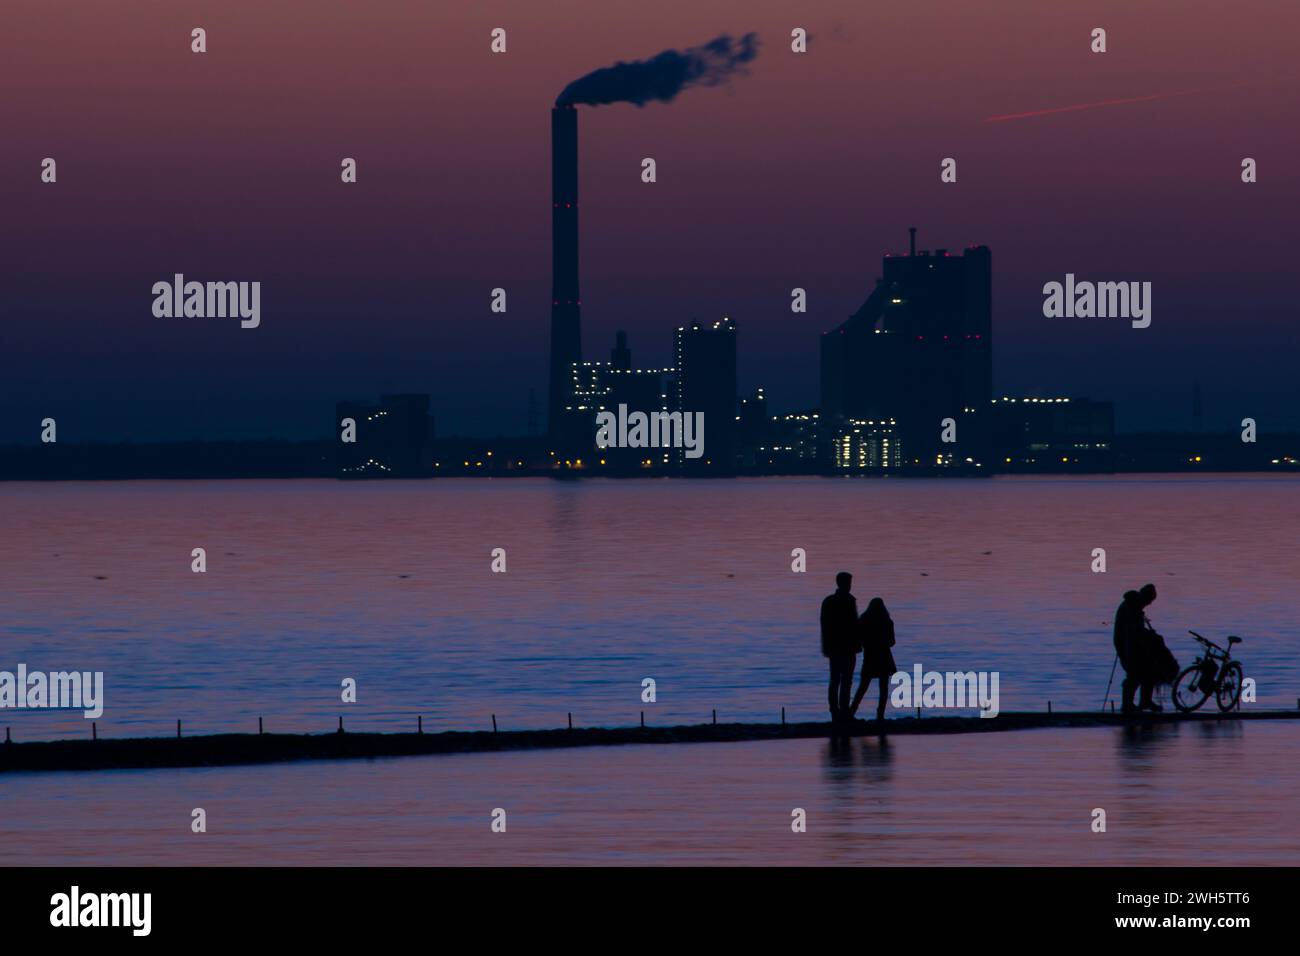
(918, 352)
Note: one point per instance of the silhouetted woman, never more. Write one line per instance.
(876, 628)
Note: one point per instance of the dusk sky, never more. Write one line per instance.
(802, 172)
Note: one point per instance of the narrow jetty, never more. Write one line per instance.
(216, 750)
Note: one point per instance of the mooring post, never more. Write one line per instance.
(94, 731)
(178, 729)
(419, 723)
(7, 735)
(570, 720)
(494, 723)
(715, 715)
(340, 723)
(1049, 706)
(918, 713)
(643, 720)
(782, 716)
(259, 726)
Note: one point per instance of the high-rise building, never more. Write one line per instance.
(919, 351)
(705, 358)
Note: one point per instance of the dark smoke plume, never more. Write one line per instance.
(663, 76)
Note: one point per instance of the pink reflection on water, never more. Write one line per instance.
(1006, 798)
(609, 582)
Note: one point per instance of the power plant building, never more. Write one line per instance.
(917, 353)
(604, 386)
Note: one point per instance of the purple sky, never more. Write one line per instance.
(802, 173)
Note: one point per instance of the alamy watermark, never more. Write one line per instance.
(56, 690)
(1086, 300)
(953, 689)
(651, 430)
(75, 908)
(219, 300)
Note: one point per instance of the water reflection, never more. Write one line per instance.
(877, 758)
(839, 755)
(849, 763)
(1016, 798)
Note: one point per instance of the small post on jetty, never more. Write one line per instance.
(918, 713)
(494, 723)
(259, 726)
(782, 716)
(340, 723)
(1049, 706)
(94, 731)
(7, 740)
(715, 715)
(419, 723)
(178, 729)
(570, 720)
(643, 720)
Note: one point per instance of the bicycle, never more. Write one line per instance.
(1214, 673)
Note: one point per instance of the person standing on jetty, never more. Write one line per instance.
(876, 631)
(1141, 650)
(840, 642)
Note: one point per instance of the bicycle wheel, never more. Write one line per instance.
(1229, 691)
(1188, 694)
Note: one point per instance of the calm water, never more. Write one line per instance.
(609, 582)
(1175, 795)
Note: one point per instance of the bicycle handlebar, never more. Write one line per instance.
(1208, 643)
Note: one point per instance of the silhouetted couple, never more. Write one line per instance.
(844, 634)
(1147, 661)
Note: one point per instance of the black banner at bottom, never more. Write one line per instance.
(214, 905)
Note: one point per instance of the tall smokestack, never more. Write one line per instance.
(566, 329)
(658, 79)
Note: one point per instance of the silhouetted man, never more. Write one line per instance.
(1135, 642)
(840, 643)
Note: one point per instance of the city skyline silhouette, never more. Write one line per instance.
(801, 173)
